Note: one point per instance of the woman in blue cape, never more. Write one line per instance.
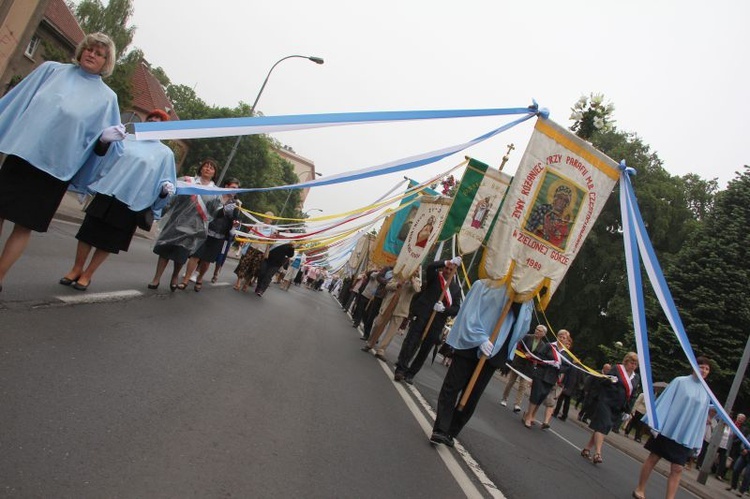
(681, 410)
(50, 124)
(132, 185)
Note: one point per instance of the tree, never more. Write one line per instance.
(592, 301)
(111, 20)
(710, 280)
(254, 164)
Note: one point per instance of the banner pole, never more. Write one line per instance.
(483, 358)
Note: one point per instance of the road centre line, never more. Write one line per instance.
(99, 297)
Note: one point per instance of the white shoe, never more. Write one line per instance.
(504, 403)
(517, 408)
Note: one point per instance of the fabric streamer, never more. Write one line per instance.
(408, 163)
(231, 127)
(636, 229)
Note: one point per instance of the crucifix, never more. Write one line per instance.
(506, 157)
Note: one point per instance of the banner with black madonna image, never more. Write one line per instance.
(556, 196)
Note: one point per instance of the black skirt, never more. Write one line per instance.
(539, 391)
(210, 250)
(28, 196)
(670, 450)
(177, 254)
(109, 224)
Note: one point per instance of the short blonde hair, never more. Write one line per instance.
(630, 356)
(102, 40)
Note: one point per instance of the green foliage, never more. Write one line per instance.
(111, 20)
(254, 164)
(54, 53)
(161, 75)
(593, 300)
(710, 280)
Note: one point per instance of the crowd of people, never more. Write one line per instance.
(544, 372)
(60, 129)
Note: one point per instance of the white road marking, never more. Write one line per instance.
(85, 297)
(445, 454)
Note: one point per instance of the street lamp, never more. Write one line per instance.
(304, 214)
(316, 60)
(286, 201)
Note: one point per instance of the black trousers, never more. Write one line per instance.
(563, 406)
(264, 278)
(360, 309)
(449, 420)
(413, 344)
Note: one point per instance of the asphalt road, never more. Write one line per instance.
(221, 394)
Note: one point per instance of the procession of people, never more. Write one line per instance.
(133, 183)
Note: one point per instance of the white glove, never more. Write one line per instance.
(439, 307)
(456, 260)
(487, 347)
(113, 133)
(229, 208)
(167, 188)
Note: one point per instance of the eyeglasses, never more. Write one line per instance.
(96, 51)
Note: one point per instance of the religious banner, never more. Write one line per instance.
(478, 198)
(396, 227)
(424, 231)
(556, 195)
(359, 256)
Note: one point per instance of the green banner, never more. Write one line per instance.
(462, 202)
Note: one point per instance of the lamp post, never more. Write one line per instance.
(316, 60)
(304, 214)
(286, 201)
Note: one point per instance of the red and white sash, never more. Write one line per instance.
(445, 286)
(626, 380)
(197, 200)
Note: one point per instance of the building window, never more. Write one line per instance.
(33, 44)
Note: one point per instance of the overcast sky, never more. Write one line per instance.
(676, 71)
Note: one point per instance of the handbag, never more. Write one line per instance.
(144, 219)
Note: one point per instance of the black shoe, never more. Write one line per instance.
(66, 282)
(398, 376)
(441, 438)
(563, 418)
(365, 348)
(545, 426)
(409, 379)
(80, 287)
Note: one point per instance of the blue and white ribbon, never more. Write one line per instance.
(634, 227)
(400, 165)
(230, 127)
